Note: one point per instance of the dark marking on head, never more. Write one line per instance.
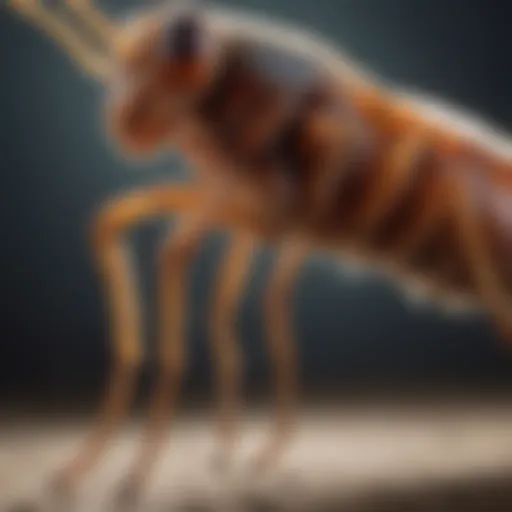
(189, 54)
(183, 38)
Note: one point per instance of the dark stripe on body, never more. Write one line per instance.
(442, 254)
(241, 100)
(354, 188)
(402, 218)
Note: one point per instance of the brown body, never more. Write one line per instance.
(304, 152)
(349, 167)
(390, 200)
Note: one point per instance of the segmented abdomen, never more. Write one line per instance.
(391, 192)
(400, 205)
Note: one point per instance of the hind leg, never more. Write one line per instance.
(225, 347)
(175, 258)
(282, 351)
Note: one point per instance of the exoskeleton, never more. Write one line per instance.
(290, 143)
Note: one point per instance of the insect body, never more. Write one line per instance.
(291, 144)
(345, 165)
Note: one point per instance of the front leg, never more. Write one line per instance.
(111, 255)
(175, 258)
(115, 267)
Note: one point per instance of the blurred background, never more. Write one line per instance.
(57, 168)
(354, 336)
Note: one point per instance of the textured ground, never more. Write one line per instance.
(424, 458)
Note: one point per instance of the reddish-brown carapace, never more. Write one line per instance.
(288, 143)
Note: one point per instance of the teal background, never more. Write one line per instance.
(56, 167)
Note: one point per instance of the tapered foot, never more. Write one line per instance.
(270, 456)
(129, 495)
(24, 507)
(221, 461)
(61, 490)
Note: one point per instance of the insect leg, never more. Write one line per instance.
(110, 252)
(116, 268)
(282, 350)
(226, 353)
(175, 258)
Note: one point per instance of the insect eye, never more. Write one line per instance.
(184, 39)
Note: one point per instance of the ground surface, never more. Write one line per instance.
(423, 458)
